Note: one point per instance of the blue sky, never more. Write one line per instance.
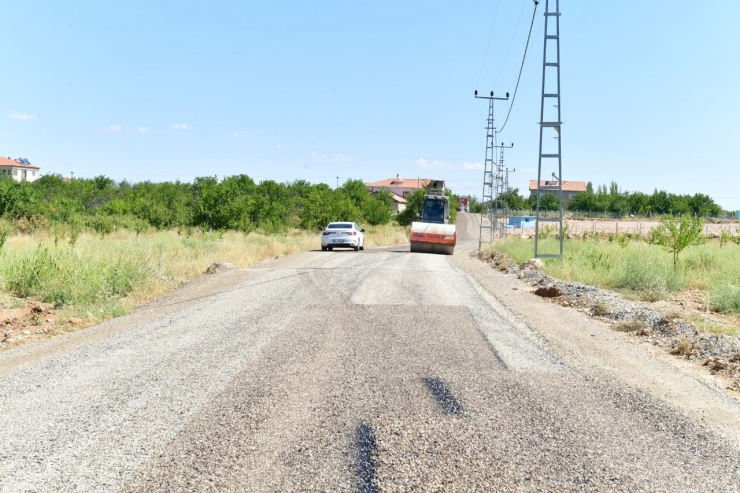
(314, 90)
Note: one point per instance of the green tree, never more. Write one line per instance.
(676, 235)
(548, 201)
(513, 200)
(703, 205)
(583, 201)
(376, 211)
(639, 203)
(414, 203)
(356, 191)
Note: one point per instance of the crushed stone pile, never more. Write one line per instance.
(719, 353)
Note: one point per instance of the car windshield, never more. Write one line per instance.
(434, 211)
(339, 226)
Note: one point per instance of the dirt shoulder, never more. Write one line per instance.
(187, 294)
(591, 346)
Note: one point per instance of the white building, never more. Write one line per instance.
(18, 169)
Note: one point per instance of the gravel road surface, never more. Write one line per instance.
(368, 371)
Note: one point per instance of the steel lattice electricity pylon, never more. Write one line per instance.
(487, 201)
(501, 185)
(550, 119)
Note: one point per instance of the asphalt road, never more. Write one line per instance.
(341, 371)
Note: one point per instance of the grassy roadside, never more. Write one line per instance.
(96, 278)
(641, 270)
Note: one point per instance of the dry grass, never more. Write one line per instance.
(136, 269)
(630, 326)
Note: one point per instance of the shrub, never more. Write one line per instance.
(675, 236)
(376, 212)
(66, 277)
(725, 298)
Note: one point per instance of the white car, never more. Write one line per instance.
(342, 235)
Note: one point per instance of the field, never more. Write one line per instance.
(95, 278)
(641, 270)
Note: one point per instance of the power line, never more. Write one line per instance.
(511, 43)
(485, 57)
(521, 69)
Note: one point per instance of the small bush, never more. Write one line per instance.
(67, 278)
(5, 232)
(600, 309)
(648, 279)
(725, 298)
(25, 278)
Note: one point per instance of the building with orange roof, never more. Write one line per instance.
(570, 188)
(399, 188)
(19, 169)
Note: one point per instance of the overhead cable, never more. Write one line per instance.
(526, 47)
(485, 57)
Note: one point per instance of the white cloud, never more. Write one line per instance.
(248, 133)
(279, 145)
(472, 166)
(113, 128)
(345, 159)
(180, 126)
(423, 163)
(142, 129)
(337, 157)
(22, 116)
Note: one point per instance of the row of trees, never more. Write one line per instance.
(235, 202)
(613, 200)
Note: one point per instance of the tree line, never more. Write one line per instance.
(234, 202)
(611, 199)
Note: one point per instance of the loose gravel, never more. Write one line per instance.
(327, 372)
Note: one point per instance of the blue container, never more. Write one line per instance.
(737, 213)
(521, 221)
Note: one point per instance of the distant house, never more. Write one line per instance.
(399, 203)
(399, 187)
(18, 169)
(570, 188)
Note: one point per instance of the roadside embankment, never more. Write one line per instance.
(677, 322)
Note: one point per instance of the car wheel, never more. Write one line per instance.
(357, 248)
(323, 248)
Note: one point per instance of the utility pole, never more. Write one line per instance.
(500, 204)
(550, 120)
(488, 171)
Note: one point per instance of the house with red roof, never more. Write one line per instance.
(399, 188)
(570, 188)
(19, 169)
